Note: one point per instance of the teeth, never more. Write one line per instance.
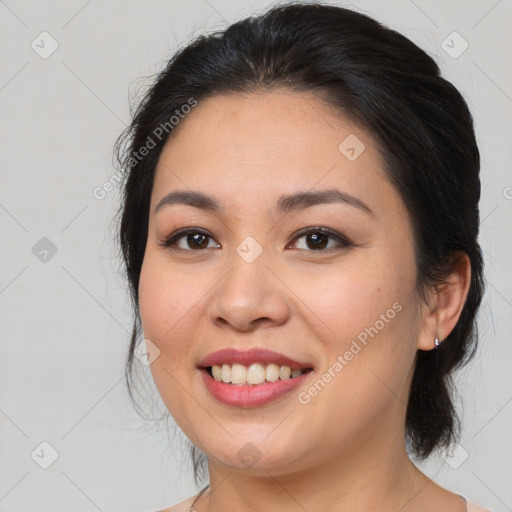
(225, 374)
(271, 372)
(285, 372)
(238, 373)
(254, 374)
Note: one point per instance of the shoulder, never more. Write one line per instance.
(184, 506)
(472, 507)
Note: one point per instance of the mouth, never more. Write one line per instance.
(251, 378)
(248, 395)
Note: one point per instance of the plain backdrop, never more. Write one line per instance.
(65, 313)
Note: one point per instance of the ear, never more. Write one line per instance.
(445, 304)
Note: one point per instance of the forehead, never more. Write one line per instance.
(239, 147)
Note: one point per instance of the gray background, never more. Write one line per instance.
(66, 316)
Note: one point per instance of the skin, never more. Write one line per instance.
(345, 449)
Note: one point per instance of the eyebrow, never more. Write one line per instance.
(285, 204)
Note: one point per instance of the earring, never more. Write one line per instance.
(437, 342)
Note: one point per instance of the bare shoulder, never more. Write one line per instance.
(472, 507)
(184, 506)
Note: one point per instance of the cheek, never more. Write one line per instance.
(152, 301)
(348, 300)
(367, 318)
(164, 298)
(164, 303)
(171, 303)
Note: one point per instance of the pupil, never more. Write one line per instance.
(317, 239)
(197, 239)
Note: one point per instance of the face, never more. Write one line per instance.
(325, 280)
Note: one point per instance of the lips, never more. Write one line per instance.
(232, 356)
(247, 396)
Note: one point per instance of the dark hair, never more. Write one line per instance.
(388, 86)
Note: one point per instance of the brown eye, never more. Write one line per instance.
(189, 240)
(197, 241)
(320, 239)
(317, 240)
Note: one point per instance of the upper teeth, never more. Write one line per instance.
(254, 374)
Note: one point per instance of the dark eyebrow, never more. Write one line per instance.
(196, 199)
(301, 200)
(285, 204)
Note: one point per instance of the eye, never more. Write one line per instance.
(188, 240)
(317, 239)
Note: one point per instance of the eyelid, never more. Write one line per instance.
(341, 239)
(176, 235)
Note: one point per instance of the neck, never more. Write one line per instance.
(377, 476)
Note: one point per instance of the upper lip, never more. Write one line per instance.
(255, 355)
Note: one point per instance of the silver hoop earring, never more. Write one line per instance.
(437, 342)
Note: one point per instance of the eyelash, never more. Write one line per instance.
(170, 241)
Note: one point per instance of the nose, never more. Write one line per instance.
(250, 296)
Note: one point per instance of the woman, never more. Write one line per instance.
(299, 227)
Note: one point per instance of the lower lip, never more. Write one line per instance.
(248, 395)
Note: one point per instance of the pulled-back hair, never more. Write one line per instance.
(387, 86)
